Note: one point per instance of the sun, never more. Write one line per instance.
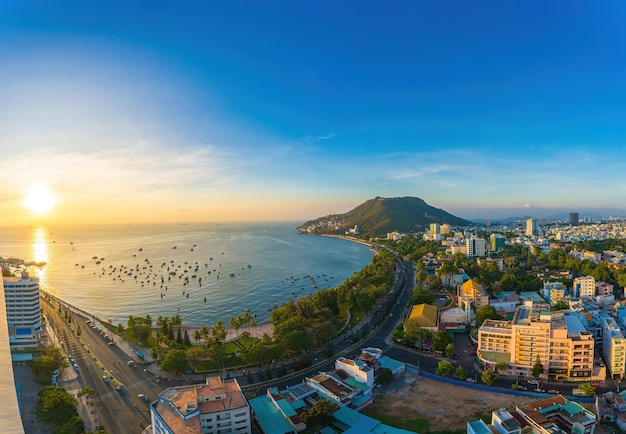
(39, 199)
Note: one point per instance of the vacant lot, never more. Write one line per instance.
(419, 404)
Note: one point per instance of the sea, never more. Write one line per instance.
(202, 272)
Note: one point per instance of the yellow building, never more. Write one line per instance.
(426, 315)
(473, 291)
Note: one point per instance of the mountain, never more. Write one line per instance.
(382, 215)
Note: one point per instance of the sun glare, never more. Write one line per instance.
(39, 200)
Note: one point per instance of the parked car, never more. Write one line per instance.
(105, 378)
(143, 397)
(470, 380)
(120, 389)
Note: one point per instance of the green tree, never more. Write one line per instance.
(450, 350)
(75, 425)
(444, 368)
(195, 354)
(412, 329)
(537, 368)
(488, 377)
(384, 376)
(175, 361)
(588, 389)
(51, 359)
(321, 413)
(486, 312)
(559, 305)
(422, 295)
(501, 366)
(55, 405)
(460, 373)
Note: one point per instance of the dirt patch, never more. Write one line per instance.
(411, 400)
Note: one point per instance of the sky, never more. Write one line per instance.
(195, 111)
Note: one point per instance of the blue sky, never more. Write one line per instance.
(292, 110)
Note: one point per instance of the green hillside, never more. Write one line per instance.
(382, 215)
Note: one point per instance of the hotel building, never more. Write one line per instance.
(21, 295)
(213, 408)
(559, 342)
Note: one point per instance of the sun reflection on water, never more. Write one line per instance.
(39, 252)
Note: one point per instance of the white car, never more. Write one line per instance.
(143, 397)
(470, 380)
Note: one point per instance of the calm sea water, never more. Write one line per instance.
(235, 266)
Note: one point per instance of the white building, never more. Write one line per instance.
(358, 370)
(21, 295)
(613, 348)
(475, 247)
(213, 408)
(584, 286)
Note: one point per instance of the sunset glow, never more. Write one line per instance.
(39, 200)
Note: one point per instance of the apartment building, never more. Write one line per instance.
(553, 292)
(559, 342)
(613, 348)
(531, 227)
(584, 286)
(21, 296)
(216, 407)
(475, 246)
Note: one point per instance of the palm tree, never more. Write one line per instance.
(235, 324)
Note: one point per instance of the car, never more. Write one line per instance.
(533, 382)
(131, 363)
(470, 380)
(120, 388)
(553, 391)
(143, 397)
(76, 367)
(105, 378)
(71, 359)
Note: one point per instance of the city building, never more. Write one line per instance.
(554, 292)
(475, 247)
(572, 219)
(584, 286)
(473, 292)
(23, 311)
(504, 422)
(531, 227)
(434, 229)
(216, 407)
(556, 414)
(613, 348)
(497, 242)
(10, 418)
(445, 229)
(558, 341)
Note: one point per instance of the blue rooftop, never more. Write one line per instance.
(269, 417)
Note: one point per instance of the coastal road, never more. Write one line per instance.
(117, 412)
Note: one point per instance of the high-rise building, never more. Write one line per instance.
(613, 347)
(475, 247)
(445, 229)
(531, 227)
(10, 418)
(212, 408)
(497, 242)
(434, 229)
(573, 218)
(21, 295)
